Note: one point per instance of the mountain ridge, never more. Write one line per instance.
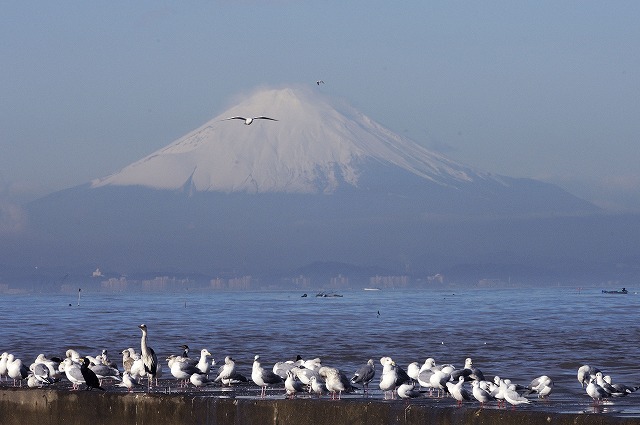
(314, 147)
(228, 196)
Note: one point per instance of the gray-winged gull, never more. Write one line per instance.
(227, 370)
(622, 389)
(586, 373)
(181, 368)
(129, 382)
(511, 396)
(316, 386)
(41, 373)
(596, 392)
(72, 372)
(610, 389)
(470, 372)
(480, 394)
(364, 375)
(250, 120)
(458, 391)
(281, 368)
(200, 380)
(542, 385)
(292, 385)
(408, 391)
(263, 377)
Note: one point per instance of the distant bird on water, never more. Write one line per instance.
(248, 121)
(148, 356)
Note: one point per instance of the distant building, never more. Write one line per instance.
(233, 284)
(162, 282)
(492, 283)
(339, 281)
(114, 284)
(389, 281)
(243, 282)
(301, 281)
(218, 283)
(436, 278)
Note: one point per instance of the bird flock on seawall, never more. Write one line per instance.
(142, 371)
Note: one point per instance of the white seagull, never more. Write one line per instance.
(596, 392)
(458, 391)
(541, 385)
(227, 370)
(511, 396)
(73, 372)
(335, 381)
(316, 386)
(200, 380)
(129, 382)
(292, 385)
(262, 377)
(408, 391)
(388, 380)
(586, 374)
(480, 394)
(204, 364)
(248, 121)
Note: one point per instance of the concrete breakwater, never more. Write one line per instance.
(55, 407)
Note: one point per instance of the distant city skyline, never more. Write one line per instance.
(535, 89)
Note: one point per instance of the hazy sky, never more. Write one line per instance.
(541, 89)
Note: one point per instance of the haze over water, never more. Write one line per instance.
(516, 333)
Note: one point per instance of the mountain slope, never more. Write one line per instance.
(324, 183)
(313, 148)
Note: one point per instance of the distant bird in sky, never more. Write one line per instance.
(319, 82)
(248, 121)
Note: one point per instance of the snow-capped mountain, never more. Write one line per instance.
(323, 183)
(316, 146)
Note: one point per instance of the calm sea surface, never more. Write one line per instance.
(514, 333)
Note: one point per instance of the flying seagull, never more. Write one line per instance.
(248, 121)
(319, 82)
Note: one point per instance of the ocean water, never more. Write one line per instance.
(518, 334)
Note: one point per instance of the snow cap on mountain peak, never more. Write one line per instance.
(317, 145)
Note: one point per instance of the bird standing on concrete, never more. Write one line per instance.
(148, 356)
(364, 375)
(90, 378)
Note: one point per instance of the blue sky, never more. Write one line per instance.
(542, 89)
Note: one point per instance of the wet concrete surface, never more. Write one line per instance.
(170, 404)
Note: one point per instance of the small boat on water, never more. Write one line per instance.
(371, 289)
(623, 291)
